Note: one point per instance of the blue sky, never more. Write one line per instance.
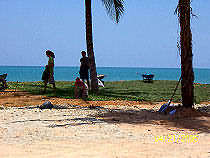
(145, 37)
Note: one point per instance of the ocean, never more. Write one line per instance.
(34, 73)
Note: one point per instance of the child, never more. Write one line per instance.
(80, 89)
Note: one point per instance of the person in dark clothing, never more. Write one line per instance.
(3, 83)
(84, 68)
(48, 74)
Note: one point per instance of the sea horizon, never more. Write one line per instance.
(69, 73)
(105, 66)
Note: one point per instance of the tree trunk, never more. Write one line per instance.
(89, 42)
(187, 89)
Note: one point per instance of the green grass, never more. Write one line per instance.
(119, 90)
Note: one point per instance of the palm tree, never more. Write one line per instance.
(187, 74)
(115, 9)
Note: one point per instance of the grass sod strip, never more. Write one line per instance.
(159, 90)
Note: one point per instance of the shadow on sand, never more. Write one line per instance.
(183, 119)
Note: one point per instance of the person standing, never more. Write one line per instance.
(49, 70)
(84, 68)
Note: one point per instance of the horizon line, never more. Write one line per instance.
(105, 67)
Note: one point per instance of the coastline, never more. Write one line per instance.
(69, 73)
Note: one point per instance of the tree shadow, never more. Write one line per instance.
(204, 108)
(37, 89)
(77, 121)
(198, 121)
(195, 120)
(138, 94)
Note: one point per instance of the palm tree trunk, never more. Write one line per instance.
(89, 42)
(187, 89)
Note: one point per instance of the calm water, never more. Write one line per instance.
(34, 73)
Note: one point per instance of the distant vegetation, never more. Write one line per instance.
(119, 90)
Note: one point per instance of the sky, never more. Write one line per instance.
(146, 35)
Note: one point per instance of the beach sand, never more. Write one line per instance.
(112, 129)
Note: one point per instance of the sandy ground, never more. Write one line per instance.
(114, 129)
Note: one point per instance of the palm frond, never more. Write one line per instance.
(115, 8)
